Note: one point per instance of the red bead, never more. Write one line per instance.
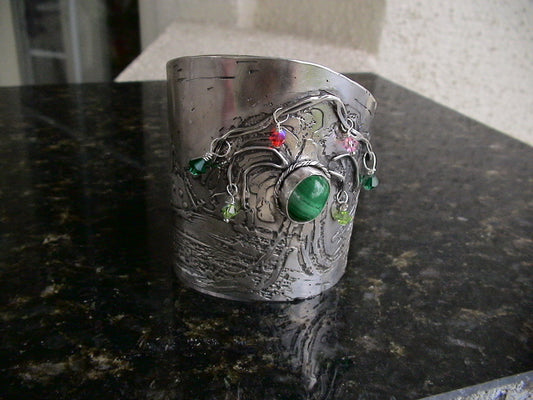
(277, 137)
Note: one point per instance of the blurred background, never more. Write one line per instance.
(475, 56)
(58, 41)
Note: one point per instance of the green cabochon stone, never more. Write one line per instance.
(308, 198)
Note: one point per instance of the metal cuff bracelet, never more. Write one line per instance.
(268, 156)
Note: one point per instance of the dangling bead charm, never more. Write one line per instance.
(277, 136)
(343, 217)
(341, 213)
(370, 182)
(230, 210)
(199, 166)
(232, 207)
(351, 144)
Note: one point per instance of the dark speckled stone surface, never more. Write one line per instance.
(438, 293)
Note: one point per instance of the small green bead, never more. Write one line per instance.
(308, 198)
(370, 182)
(342, 217)
(198, 166)
(230, 210)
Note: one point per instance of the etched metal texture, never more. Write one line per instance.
(261, 253)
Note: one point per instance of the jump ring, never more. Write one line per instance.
(275, 117)
(232, 189)
(372, 157)
(215, 143)
(342, 197)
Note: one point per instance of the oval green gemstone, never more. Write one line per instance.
(308, 198)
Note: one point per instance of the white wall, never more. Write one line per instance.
(475, 56)
(156, 15)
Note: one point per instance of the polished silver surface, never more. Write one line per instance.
(231, 179)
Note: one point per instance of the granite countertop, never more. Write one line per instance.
(437, 295)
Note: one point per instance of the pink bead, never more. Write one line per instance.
(350, 144)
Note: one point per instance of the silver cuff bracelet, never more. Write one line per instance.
(268, 157)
